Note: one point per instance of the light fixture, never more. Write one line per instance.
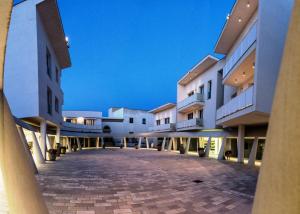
(228, 16)
(236, 81)
(248, 4)
(253, 65)
(244, 74)
(240, 20)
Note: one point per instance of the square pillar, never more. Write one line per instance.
(187, 147)
(252, 157)
(57, 136)
(241, 143)
(140, 143)
(147, 143)
(222, 149)
(207, 149)
(37, 153)
(125, 142)
(175, 144)
(98, 142)
(170, 144)
(69, 145)
(163, 144)
(78, 143)
(43, 132)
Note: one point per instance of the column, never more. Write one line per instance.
(89, 142)
(102, 141)
(140, 143)
(187, 148)
(163, 144)
(175, 144)
(37, 153)
(252, 157)
(27, 150)
(170, 144)
(69, 145)
(222, 149)
(43, 131)
(147, 143)
(57, 136)
(207, 149)
(241, 143)
(98, 142)
(48, 143)
(125, 142)
(78, 144)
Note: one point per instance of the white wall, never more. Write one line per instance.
(97, 116)
(171, 113)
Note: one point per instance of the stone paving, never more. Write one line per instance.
(145, 181)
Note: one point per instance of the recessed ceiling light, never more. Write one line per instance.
(228, 16)
(240, 20)
(236, 80)
(244, 74)
(253, 65)
(248, 5)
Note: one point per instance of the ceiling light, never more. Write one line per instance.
(236, 80)
(244, 74)
(240, 20)
(253, 65)
(248, 5)
(228, 16)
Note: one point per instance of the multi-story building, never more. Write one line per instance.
(199, 94)
(37, 52)
(252, 41)
(164, 118)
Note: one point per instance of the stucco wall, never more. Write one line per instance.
(171, 113)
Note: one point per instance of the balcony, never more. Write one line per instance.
(241, 50)
(163, 127)
(195, 123)
(242, 101)
(191, 103)
(81, 127)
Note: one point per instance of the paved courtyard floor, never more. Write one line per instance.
(145, 181)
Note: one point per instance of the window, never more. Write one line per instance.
(89, 122)
(157, 122)
(190, 116)
(201, 113)
(56, 105)
(68, 120)
(57, 75)
(130, 120)
(191, 93)
(209, 89)
(48, 58)
(49, 101)
(167, 120)
(201, 89)
(144, 121)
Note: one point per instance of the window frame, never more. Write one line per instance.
(131, 120)
(49, 63)
(209, 89)
(49, 101)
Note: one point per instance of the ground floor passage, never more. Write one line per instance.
(145, 181)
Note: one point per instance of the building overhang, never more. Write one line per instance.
(237, 20)
(50, 16)
(200, 68)
(163, 108)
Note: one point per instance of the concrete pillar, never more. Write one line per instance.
(57, 136)
(170, 144)
(147, 143)
(207, 149)
(187, 148)
(175, 144)
(241, 143)
(222, 149)
(252, 157)
(163, 144)
(27, 150)
(69, 144)
(78, 143)
(98, 142)
(48, 143)
(102, 141)
(125, 142)
(43, 138)
(37, 153)
(89, 142)
(140, 143)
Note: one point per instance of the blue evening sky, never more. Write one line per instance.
(131, 53)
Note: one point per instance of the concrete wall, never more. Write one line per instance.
(272, 29)
(171, 113)
(97, 116)
(209, 110)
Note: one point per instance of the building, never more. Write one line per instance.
(252, 41)
(37, 52)
(164, 118)
(199, 94)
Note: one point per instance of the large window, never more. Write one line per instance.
(167, 120)
(144, 121)
(209, 89)
(49, 100)
(201, 113)
(56, 105)
(190, 116)
(157, 122)
(201, 89)
(49, 63)
(131, 120)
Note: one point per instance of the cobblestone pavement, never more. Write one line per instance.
(140, 181)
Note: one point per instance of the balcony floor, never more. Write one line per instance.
(145, 181)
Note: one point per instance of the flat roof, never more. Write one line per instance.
(163, 108)
(238, 18)
(200, 68)
(50, 15)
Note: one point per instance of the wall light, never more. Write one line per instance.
(248, 5)
(240, 20)
(228, 16)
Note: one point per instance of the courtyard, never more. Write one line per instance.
(145, 181)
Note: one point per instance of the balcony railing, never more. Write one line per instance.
(196, 98)
(82, 126)
(193, 123)
(244, 45)
(163, 127)
(240, 102)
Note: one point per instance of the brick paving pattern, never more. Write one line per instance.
(144, 181)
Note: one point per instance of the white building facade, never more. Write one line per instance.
(164, 118)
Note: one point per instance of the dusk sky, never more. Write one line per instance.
(132, 53)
